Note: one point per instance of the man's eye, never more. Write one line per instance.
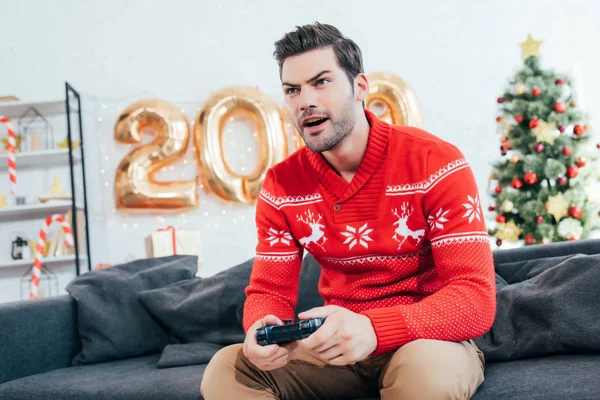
(322, 81)
(290, 91)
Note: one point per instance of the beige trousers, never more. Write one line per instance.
(422, 369)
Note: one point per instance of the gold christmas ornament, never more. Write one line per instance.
(557, 206)
(508, 231)
(530, 47)
(507, 206)
(65, 144)
(515, 159)
(519, 89)
(546, 132)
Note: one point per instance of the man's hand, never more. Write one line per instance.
(344, 338)
(267, 358)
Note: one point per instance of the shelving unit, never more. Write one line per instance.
(64, 156)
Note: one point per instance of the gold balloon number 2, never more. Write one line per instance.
(135, 185)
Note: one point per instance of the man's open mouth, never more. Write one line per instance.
(315, 122)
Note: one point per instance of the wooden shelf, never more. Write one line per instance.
(32, 211)
(50, 261)
(39, 159)
(16, 109)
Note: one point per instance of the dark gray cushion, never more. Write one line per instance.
(549, 307)
(210, 309)
(112, 323)
(570, 377)
(131, 379)
(177, 355)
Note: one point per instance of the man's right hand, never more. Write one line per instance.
(270, 357)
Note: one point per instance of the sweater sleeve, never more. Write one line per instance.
(273, 286)
(464, 305)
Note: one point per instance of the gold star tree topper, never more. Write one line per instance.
(557, 206)
(508, 231)
(530, 47)
(545, 132)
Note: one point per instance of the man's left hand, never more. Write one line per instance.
(344, 338)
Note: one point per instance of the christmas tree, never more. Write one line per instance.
(547, 165)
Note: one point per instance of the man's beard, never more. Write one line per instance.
(341, 126)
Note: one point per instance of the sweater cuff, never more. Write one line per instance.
(390, 327)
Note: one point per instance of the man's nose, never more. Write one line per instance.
(308, 99)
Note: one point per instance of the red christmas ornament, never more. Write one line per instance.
(498, 118)
(598, 146)
(498, 242)
(581, 162)
(572, 238)
(491, 208)
(536, 91)
(562, 181)
(575, 212)
(560, 107)
(516, 183)
(539, 219)
(529, 239)
(519, 118)
(566, 151)
(500, 218)
(498, 189)
(500, 99)
(559, 81)
(534, 123)
(572, 171)
(530, 178)
(538, 148)
(578, 130)
(561, 128)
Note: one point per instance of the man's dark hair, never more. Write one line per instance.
(314, 36)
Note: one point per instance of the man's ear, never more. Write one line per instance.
(361, 87)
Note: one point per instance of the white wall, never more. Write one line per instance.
(457, 56)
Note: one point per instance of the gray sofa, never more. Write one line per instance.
(39, 340)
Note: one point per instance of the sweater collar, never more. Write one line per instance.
(376, 146)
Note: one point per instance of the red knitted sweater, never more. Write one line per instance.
(404, 243)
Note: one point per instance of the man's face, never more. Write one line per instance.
(320, 98)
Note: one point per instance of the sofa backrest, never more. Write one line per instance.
(37, 336)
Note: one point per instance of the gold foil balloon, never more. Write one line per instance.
(135, 185)
(290, 129)
(208, 130)
(393, 100)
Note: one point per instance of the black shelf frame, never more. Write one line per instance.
(70, 91)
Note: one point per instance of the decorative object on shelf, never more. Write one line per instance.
(21, 201)
(65, 144)
(171, 241)
(5, 143)
(12, 149)
(57, 192)
(45, 250)
(3, 202)
(20, 249)
(36, 272)
(36, 131)
(47, 284)
(6, 99)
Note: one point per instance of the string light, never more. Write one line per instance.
(124, 226)
(106, 184)
(185, 162)
(99, 119)
(102, 171)
(249, 149)
(223, 212)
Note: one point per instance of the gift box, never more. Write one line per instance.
(170, 241)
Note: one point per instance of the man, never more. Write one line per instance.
(393, 216)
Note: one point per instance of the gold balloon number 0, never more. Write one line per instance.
(136, 187)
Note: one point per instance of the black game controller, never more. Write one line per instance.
(288, 332)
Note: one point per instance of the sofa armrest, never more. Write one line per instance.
(37, 336)
(509, 260)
